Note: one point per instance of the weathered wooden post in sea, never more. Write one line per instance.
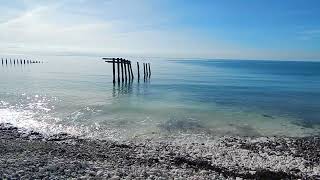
(149, 70)
(131, 70)
(114, 69)
(138, 69)
(118, 67)
(122, 78)
(144, 70)
(147, 74)
(125, 69)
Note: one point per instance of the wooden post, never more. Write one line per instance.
(6, 61)
(131, 71)
(144, 70)
(128, 67)
(24, 61)
(122, 69)
(125, 69)
(138, 69)
(2, 60)
(149, 70)
(147, 74)
(114, 69)
(118, 63)
(20, 61)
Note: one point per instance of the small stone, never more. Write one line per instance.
(203, 172)
(115, 178)
(99, 173)
(84, 177)
(20, 172)
(91, 173)
(67, 171)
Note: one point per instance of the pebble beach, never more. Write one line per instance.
(31, 155)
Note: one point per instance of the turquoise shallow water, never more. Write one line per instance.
(211, 97)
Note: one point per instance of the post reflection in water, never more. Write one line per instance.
(129, 88)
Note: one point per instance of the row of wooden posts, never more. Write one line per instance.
(124, 66)
(18, 61)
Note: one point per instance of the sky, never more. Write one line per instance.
(232, 29)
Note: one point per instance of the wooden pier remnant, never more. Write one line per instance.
(125, 66)
(121, 66)
(15, 61)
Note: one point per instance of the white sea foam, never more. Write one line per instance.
(36, 116)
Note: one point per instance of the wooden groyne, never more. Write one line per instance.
(9, 61)
(124, 72)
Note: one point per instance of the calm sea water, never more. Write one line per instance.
(183, 97)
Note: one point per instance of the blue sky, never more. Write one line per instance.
(245, 29)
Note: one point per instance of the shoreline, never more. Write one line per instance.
(30, 155)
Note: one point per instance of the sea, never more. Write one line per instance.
(211, 97)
